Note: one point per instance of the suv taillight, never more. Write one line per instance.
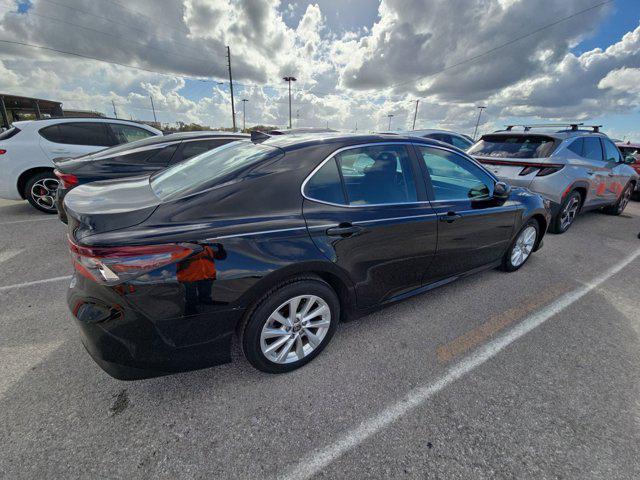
(542, 171)
(68, 180)
(113, 265)
(2, 151)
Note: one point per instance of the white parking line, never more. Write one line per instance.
(315, 461)
(36, 282)
(10, 253)
(29, 220)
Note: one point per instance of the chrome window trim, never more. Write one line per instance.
(207, 139)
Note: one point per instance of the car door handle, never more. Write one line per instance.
(450, 217)
(590, 172)
(345, 230)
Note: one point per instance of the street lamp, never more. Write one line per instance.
(390, 117)
(475, 132)
(289, 79)
(244, 113)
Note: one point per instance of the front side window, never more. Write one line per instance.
(128, 133)
(453, 177)
(78, 133)
(377, 174)
(210, 168)
(611, 152)
(514, 146)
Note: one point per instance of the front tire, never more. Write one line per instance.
(291, 325)
(618, 207)
(568, 212)
(40, 191)
(522, 246)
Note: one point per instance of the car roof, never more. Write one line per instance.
(558, 135)
(426, 131)
(295, 141)
(203, 134)
(43, 122)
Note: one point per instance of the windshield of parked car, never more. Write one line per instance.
(513, 146)
(209, 168)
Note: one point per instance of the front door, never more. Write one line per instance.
(366, 212)
(474, 230)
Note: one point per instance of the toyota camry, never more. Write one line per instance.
(271, 243)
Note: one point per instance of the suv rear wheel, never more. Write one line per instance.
(568, 212)
(40, 190)
(618, 207)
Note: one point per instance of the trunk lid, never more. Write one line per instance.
(109, 205)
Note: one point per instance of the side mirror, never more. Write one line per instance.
(501, 190)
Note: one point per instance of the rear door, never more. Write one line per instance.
(72, 139)
(366, 212)
(473, 229)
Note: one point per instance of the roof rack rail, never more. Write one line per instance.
(529, 126)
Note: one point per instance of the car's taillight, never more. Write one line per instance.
(2, 151)
(541, 170)
(113, 265)
(68, 180)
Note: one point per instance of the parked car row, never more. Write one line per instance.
(182, 243)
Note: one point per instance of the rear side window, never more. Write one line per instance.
(78, 133)
(592, 148)
(7, 134)
(128, 133)
(325, 185)
(514, 146)
(196, 147)
(460, 142)
(577, 146)
(210, 168)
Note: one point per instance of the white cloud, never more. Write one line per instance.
(342, 78)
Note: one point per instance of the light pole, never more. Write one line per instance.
(244, 114)
(415, 114)
(390, 117)
(475, 132)
(289, 79)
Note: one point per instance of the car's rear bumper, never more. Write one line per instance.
(129, 345)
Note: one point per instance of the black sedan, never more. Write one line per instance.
(135, 158)
(274, 243)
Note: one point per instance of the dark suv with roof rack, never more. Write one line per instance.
(577, 167)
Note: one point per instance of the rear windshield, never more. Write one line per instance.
(208, 168)
(7, 134)
(513, 146)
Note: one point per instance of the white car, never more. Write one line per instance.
(28, 148)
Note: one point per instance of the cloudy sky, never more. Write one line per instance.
(357, 61)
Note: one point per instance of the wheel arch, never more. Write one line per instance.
(26, 175)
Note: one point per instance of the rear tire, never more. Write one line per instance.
(277, 339)
(40, 191)
(522, 247)
(569, 210)
(618, 207)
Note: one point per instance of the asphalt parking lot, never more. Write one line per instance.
(534, 374)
